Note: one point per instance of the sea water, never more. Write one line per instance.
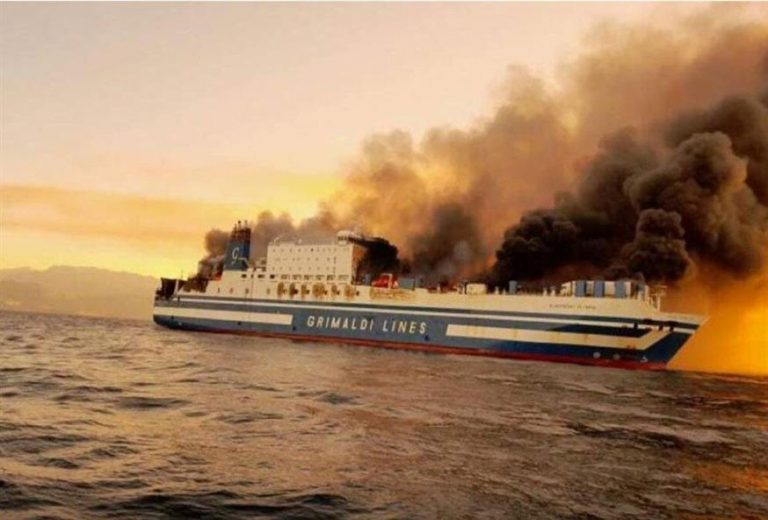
(105, 418)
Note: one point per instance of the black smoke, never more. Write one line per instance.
(451, 243)
(745, 121)
(638, 211)
(658, 250)
(380, 257)
(215, 243)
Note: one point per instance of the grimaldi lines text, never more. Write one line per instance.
(318, 291)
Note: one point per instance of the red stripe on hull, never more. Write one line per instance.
(439, 349)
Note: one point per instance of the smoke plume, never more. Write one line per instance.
(658, 250)
(380, 257)
(648, 156)
(216, 243)
(215, 247)
(638, 215)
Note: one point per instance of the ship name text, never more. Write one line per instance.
(388, 325)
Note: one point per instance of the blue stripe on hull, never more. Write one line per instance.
(623, 330)
(433, 334)
(216, 302)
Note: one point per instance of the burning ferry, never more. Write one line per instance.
(319, 291)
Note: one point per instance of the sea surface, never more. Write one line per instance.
(120, 419)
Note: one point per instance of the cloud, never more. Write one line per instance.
(132, 219)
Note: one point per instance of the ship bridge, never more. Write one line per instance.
(313, 261)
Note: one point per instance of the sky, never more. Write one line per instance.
(128, 130)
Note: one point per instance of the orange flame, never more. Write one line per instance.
(735, 338)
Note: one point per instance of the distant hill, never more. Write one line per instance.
(85, 291)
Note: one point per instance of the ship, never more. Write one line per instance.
(318, 291)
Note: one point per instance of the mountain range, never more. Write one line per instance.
(86, 291)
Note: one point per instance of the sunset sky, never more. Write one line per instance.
(130, 130)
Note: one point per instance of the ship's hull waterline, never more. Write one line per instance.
(602, 340)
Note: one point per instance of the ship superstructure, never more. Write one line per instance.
(320, 291)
